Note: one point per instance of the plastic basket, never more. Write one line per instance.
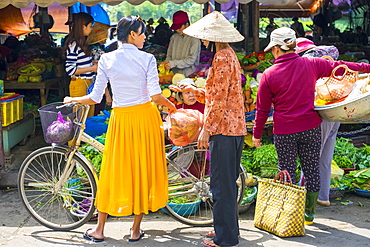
(49, 114)
(336, 193)
(184, 208)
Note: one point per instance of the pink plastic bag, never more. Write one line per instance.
(184, 126)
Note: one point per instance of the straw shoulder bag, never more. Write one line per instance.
(280, 206)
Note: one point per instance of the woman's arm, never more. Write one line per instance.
(160, 100)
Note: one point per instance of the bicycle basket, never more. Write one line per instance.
(49, 116)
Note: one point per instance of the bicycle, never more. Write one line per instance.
(57, 184)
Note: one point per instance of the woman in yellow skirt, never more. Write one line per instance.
(79, 64)
(133, 176)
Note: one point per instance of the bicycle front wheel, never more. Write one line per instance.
(190, 198)
(57, 204)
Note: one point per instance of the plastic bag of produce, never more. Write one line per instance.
(184, 126)
(336, 171)
(60, 130)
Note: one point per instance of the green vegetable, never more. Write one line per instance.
(23, 78)
(253, 60)
(360, 179)
(240, 56)
(343, 147)
(245, 61)
(343, 161)
(36, 78)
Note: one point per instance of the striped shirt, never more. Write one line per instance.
(76, 58)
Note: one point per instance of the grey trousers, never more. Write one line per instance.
(329, 132)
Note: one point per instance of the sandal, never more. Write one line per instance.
(210, 243)
(142, 233)
(91, 238)
(211, 234)
(323, 203)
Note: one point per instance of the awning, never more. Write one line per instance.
(46, 3)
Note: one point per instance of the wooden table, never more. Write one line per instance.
(44, 87)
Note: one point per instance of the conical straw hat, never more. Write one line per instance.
(214, 27)
(98, 33)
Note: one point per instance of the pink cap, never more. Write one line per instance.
(178, 19)
(304, 44)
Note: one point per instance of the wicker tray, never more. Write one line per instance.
(40, 66)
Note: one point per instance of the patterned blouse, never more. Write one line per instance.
(224, 111)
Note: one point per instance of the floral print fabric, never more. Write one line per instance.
(224, 111)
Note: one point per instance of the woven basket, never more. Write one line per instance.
(334, 87)
(280, 207)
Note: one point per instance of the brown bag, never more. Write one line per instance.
(335, 87)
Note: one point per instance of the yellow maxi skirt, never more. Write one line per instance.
(77, 88)
(133, 176)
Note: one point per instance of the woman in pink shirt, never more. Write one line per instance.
(290, 85)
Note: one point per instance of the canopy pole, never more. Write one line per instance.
(244, 27)
(256, 24)
(217, 6)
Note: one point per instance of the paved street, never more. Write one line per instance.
(335, 226)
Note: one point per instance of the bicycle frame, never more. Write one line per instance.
(81, 137)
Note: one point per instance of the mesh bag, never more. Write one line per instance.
(336, 87)
(49, 114)
(280, 206)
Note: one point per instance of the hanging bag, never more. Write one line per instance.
(280, 206)
(336, 87)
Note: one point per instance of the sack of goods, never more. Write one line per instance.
(184, 126)
(280, 206)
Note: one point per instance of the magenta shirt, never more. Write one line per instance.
(197, 106)
(290, 86)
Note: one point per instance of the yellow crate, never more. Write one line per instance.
(12, 110)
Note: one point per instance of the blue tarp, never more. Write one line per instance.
(97, 12)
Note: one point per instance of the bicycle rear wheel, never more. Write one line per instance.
(64, 208)
(190, 198)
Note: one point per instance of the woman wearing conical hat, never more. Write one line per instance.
(224, 125)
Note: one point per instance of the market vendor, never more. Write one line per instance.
(188, 99)
(79, 64)
(183, 50)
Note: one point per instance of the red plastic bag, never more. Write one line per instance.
(184, 126)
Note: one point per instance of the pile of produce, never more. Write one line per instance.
(360, 179)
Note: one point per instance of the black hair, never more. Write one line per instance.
(128, 24)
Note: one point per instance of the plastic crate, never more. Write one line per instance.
(12, 109)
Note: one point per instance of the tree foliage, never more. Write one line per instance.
(148, 10)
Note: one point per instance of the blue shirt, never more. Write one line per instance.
(132, 74)
(76, 58)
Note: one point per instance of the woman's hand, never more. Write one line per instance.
(203, 139)
(67, 100)
(183, 88)
(94, 68)
(257, 142)
(167, 65)
(171, 108)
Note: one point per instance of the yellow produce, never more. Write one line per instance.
(166, 93)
